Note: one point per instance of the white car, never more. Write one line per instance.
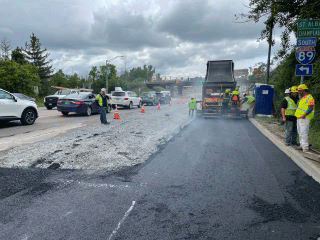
(14, 108)
(126, 99)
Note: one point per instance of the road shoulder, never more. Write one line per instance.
(310, 167)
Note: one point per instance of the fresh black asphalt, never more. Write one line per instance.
(217, 179)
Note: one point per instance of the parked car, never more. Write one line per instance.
(162, 98)
(24, 97)
(81, 103)
(14, 108)
(126, 99)
(52, 100)
(149, 98)
(110, 103)
(167, 95)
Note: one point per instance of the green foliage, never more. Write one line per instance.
(59, 79)
(38, 57)
(20, 78)
(282, 13)
(259, 74)
(18, 56)
(136, 78)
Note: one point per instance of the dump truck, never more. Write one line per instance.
(219, 77)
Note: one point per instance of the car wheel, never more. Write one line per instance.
(28, 117)
(49, 108)
(65, 113)
(89, 111)
(130, 105)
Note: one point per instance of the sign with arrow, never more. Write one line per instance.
(304, 70)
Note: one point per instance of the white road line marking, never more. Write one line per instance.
(114, 232)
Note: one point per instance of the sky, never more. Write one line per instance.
(177, 37)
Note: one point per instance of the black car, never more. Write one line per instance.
(81, 103)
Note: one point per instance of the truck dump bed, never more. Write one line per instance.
(219, 77)
(220, 71)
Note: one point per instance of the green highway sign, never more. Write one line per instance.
(308, 28)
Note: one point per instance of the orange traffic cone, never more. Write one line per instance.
(142, 109)
(158, 106)
(116, 114)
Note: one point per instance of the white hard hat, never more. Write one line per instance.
(103, 90)
(287, 91)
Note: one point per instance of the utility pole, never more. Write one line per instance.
(270, 26)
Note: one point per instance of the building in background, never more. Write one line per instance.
(241, 77)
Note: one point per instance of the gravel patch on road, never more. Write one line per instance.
(125, 142)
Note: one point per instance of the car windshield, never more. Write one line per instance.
(145, 94)
(119, 94)
(159, 94)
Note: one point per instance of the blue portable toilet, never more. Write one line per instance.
(264, 98)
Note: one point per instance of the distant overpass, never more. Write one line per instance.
(175, 83)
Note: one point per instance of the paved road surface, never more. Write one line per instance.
(215, 180)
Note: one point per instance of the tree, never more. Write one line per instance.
(18, 56)
(282, 13)
(39, 58)
(258, 73)
(5, 49)
(73, 81)
(16, 77)
(59, 79)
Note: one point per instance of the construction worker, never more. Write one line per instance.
(192, 106)
(226, 100)
(102, 99)
(250, 101)
(304, 114)
(288, 108)
(235, 99)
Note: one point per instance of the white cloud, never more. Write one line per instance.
(177, 37)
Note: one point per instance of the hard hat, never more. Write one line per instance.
(227, 90)
(103, 90)
(302, 87)
(294, 89)
(287, 90)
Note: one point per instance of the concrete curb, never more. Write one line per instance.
(306, 165)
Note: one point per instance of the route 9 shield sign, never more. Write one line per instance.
(305, 55)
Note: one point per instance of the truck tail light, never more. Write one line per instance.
(126, 98)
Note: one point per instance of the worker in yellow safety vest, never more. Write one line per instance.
(102, 100)
(250, 100)
(288, 108)
(304, 114)
(192, 106)
(226, 100)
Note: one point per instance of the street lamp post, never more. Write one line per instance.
(107, 70)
